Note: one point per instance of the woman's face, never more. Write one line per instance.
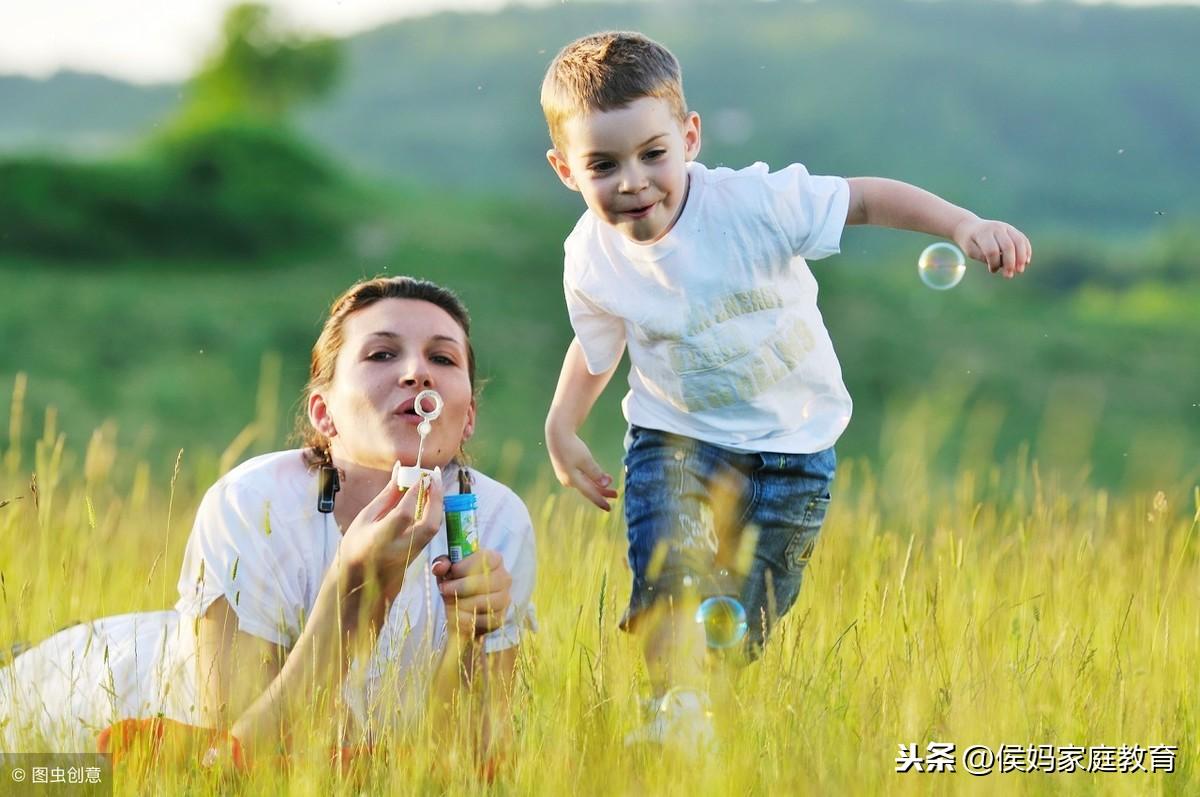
(392, 350)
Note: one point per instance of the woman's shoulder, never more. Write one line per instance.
(281, 478)
(269, 466)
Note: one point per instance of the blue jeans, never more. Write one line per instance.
(720, 522)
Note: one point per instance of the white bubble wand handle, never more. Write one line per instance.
(427, 417)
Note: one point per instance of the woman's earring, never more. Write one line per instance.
(328, 484)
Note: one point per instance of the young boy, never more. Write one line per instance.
(736, 396)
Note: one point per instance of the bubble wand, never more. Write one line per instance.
(406, 477)
(427, 417)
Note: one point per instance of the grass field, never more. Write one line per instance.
(1004, 606)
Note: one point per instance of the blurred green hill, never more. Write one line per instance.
(225, 191)
(79, 113)
(1099, 378)
(224, 177)
(169, 293)
(1051, 114)
(1046, 113)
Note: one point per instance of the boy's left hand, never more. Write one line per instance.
(1002, 246)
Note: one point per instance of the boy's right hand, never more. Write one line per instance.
(575, 467)
(1005, 249)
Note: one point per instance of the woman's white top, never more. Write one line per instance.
(259, 542)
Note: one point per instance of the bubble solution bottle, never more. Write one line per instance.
(461, 525)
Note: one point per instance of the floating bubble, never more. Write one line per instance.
(724, 621)
(941, 266)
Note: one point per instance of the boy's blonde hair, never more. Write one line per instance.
(605, 71)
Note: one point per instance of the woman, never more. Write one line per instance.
(283, 608)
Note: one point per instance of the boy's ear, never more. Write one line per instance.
(691, 136)
(558, 162)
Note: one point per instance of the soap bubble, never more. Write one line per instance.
(724, 621)
(941, 266)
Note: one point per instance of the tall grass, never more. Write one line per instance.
(1005, 606)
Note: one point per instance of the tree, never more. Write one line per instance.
(260, 71)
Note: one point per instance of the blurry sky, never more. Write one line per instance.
(163, 40)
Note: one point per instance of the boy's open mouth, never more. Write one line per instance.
(638, 213)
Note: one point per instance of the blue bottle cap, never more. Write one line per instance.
(460, 503)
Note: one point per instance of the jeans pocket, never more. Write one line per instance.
(804, 538)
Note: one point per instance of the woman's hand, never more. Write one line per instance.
(391, 531)
(475, 592)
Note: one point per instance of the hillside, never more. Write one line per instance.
(148, 286)
(1099, 379)
(83, 114)
(1053, 115)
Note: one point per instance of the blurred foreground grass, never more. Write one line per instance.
(1000, 606)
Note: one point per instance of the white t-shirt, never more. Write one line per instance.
(726, 343)
(259, 541)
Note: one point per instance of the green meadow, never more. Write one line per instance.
(1097, 378)
(1003, 607)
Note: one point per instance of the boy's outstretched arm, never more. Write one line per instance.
(891, 203)
(574, 398)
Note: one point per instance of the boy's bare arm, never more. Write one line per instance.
(574, 398)
(891, 203)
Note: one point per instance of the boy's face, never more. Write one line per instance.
(630, 165)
